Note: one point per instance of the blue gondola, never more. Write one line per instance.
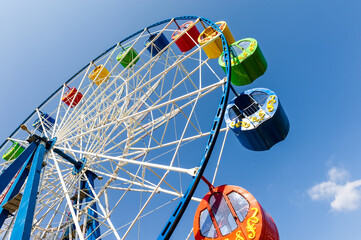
(160, 42)
(48, 122)
(257, 119)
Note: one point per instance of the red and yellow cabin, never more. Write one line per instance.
(189, 39)
(232, 213)
(72, 97)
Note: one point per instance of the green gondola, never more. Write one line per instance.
(126, 56)
(13, 152)
(247, 60)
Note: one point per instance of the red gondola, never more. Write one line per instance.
(72, 97)
(189, 39)
(231, 212)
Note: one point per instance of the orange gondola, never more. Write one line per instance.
(231, 212)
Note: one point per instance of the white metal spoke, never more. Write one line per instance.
(71, 209)
(213, 86)
(124, 160)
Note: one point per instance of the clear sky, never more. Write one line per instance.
(311, 182)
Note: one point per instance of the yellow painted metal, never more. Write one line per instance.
(214, 48)
(99, 75)
(225, 30)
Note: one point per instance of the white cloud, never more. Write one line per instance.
(337, 174)
(343, 194)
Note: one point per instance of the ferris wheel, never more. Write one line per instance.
(118, 150)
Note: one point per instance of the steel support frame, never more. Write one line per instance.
(93, 230)
(24, 219)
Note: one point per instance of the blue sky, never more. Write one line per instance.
(310, 183)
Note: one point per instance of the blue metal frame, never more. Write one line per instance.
(78, 165)
(176, 216)
(92, 227)
(93, 230)
(24, 219)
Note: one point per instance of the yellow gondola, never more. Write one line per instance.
(214, 49)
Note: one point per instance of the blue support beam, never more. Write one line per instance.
(15, 189)
(77, 164)
(93, 230)
(92, 225)
(24, 219)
